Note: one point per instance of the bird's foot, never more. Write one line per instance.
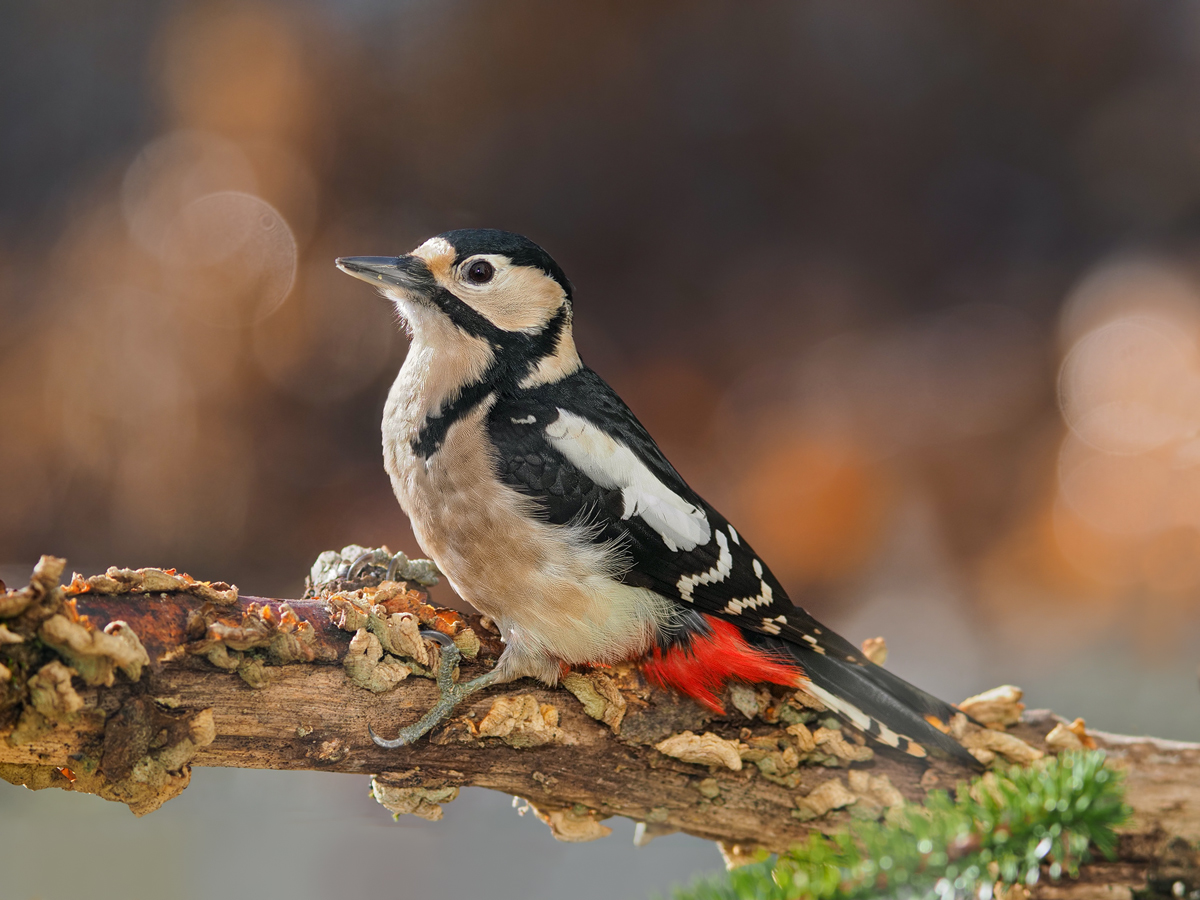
(451, 692)
(395, 565)
(354, 567)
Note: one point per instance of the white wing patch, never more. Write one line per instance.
(719, 572)
(614, 466)
(528, 420)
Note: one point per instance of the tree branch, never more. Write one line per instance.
(263, 683)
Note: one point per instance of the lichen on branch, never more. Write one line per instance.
(120, 693)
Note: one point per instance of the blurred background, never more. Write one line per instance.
(909, 291)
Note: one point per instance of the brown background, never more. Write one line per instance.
(833, 255)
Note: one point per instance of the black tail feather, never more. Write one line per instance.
(870, 696)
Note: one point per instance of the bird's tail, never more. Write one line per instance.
(880, 704)
(870, 698)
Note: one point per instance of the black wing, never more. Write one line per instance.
(723, 577)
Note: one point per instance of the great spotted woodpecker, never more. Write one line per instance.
(550, 508)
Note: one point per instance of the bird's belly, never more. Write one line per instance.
(549, 588)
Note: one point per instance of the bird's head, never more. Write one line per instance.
(484, 287)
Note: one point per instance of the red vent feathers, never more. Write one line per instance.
(702, 668)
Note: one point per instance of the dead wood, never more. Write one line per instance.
(119, 685)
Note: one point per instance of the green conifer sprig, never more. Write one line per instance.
(1000, 830)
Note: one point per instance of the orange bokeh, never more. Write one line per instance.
(813, 508)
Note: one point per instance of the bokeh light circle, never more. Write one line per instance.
(233, 258)
(172, 171)
(1131, 385)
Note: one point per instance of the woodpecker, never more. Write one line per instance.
(550, 509)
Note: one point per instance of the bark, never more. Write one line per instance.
(266, 683)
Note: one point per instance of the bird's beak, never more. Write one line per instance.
(409, 273)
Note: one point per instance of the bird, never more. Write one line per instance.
(550, 509)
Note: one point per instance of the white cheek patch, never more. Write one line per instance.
(614, 466)
(719, 572)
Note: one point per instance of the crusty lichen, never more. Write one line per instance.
(827, 796)
(400, 635)
(147, 750)
(334, 567)
(600, 697)
(366, 667)
(1070, 736)
(833, 742)
(467, 642)
(522, 722)
(870, 796)
(876, 650)
(44, 581)
(998, 708)
(705, 749)
(52, 701)
(387, 646)
(264, 636)
(145, 760)
(776, 756)
(747, 700)
(574, 825)
(802, 736)
(37, 690)
(96, 655)
(51, 692)
(153, 581)
(420, 801)
(989, 744)
(876, 794)
(376, 608)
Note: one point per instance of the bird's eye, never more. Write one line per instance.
(480, 272)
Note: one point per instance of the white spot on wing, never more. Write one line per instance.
(733, 534)
(687, 584)
(859, 718)
(886, 735)
(528, 420)
(612, 465)
(764, 598)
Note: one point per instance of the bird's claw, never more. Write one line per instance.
(393, 568)
(397, 567)
(441, 637)
(451, 692)
(375, 557)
